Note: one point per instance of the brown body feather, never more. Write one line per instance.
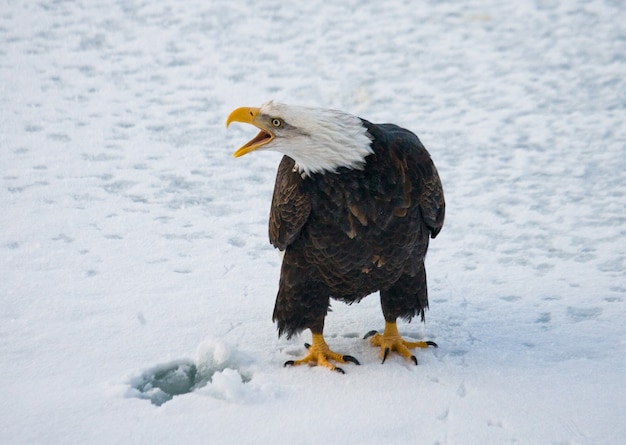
(349, 233)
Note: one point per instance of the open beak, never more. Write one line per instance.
(249, 115)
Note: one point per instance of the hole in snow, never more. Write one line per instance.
(215, 364)
(161, 383)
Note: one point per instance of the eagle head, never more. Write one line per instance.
(318, 140)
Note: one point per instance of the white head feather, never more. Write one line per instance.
(318, 139)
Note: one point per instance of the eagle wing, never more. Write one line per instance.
(431, 200)
(415, 170)
(291, 206)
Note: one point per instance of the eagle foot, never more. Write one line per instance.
(391, 340)
(319, 354)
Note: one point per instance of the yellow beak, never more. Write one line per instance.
(249, 115)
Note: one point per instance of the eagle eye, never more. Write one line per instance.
(276, 122)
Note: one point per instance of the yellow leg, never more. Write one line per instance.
(390, 340)
(320, 354)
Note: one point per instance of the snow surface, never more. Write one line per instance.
(135, 261)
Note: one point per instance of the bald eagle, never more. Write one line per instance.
(353, 208)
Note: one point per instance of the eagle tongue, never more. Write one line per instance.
(258, 138)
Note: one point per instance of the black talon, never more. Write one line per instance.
(349, 358)
(414, 359)
(306, 345)
(370, 334)
(340, 371)
(385, 354)
(289, 363)
(432, 343)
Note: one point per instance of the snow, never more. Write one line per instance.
(137, 279)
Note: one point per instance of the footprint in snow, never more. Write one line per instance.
(578, 314)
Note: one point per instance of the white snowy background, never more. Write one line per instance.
(134, 260)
